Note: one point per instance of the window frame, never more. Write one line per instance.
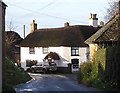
(31, 50)
(45, 50)
(76, 51)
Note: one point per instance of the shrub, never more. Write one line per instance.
(14, 73)
(86, 69)
(30, 63)
(103, 72)
(84, 74)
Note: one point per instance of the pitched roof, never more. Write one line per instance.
(3, 5)
(65, 36)
(109, 32)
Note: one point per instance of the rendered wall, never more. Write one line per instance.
(63, 52)
(93, 48)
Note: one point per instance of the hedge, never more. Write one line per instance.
(104, 71)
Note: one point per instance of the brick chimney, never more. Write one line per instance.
(93, 20)
(33, 26)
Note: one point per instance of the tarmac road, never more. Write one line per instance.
(54, 83)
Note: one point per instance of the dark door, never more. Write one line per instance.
(75, 65)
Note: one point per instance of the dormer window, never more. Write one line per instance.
(32, 50)
(74, 51)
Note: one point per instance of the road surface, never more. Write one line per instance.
(52, 82)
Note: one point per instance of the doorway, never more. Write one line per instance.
(75, 65)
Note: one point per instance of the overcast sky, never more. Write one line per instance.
(52, 13)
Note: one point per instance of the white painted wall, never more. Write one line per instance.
(0, 46)
(63, 52)
(93, 23)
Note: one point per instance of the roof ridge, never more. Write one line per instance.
(62, 27)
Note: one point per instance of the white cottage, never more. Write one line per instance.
(64, 45)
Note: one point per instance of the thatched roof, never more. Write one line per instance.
(108, 33)
(66, 36)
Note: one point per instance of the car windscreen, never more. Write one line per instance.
(39, 64)
(52, 64)
(46, 64)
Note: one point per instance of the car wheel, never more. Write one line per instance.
(44, 71)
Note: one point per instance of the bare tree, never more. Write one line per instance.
(12, 39)
(11, 26)
(113, 8)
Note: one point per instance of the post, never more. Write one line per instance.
(119, 16)
(0, 46)
(24, 31)
(2, 43)
(118, 53)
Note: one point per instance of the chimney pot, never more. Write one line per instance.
(33, 21)
(94, 15)
(90, 15)
(93, 20)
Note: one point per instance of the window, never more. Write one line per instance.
(88, 56)
(32, 50)
(74, 51)
(39, 64)
(45, 50)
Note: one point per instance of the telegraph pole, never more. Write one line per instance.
(24, 30)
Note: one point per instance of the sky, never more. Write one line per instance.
(52, 13)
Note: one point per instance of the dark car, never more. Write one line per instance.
(44, 67)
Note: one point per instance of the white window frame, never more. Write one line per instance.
(74, 51)
(45, 50)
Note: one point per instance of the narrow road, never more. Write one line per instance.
(52, 82)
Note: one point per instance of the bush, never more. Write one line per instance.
(84, 74)
(9, 51)
(14, 73)
(30, 63)
(103, 72)
(86, 69)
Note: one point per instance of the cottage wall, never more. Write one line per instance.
(93, 48)
(63, 52)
